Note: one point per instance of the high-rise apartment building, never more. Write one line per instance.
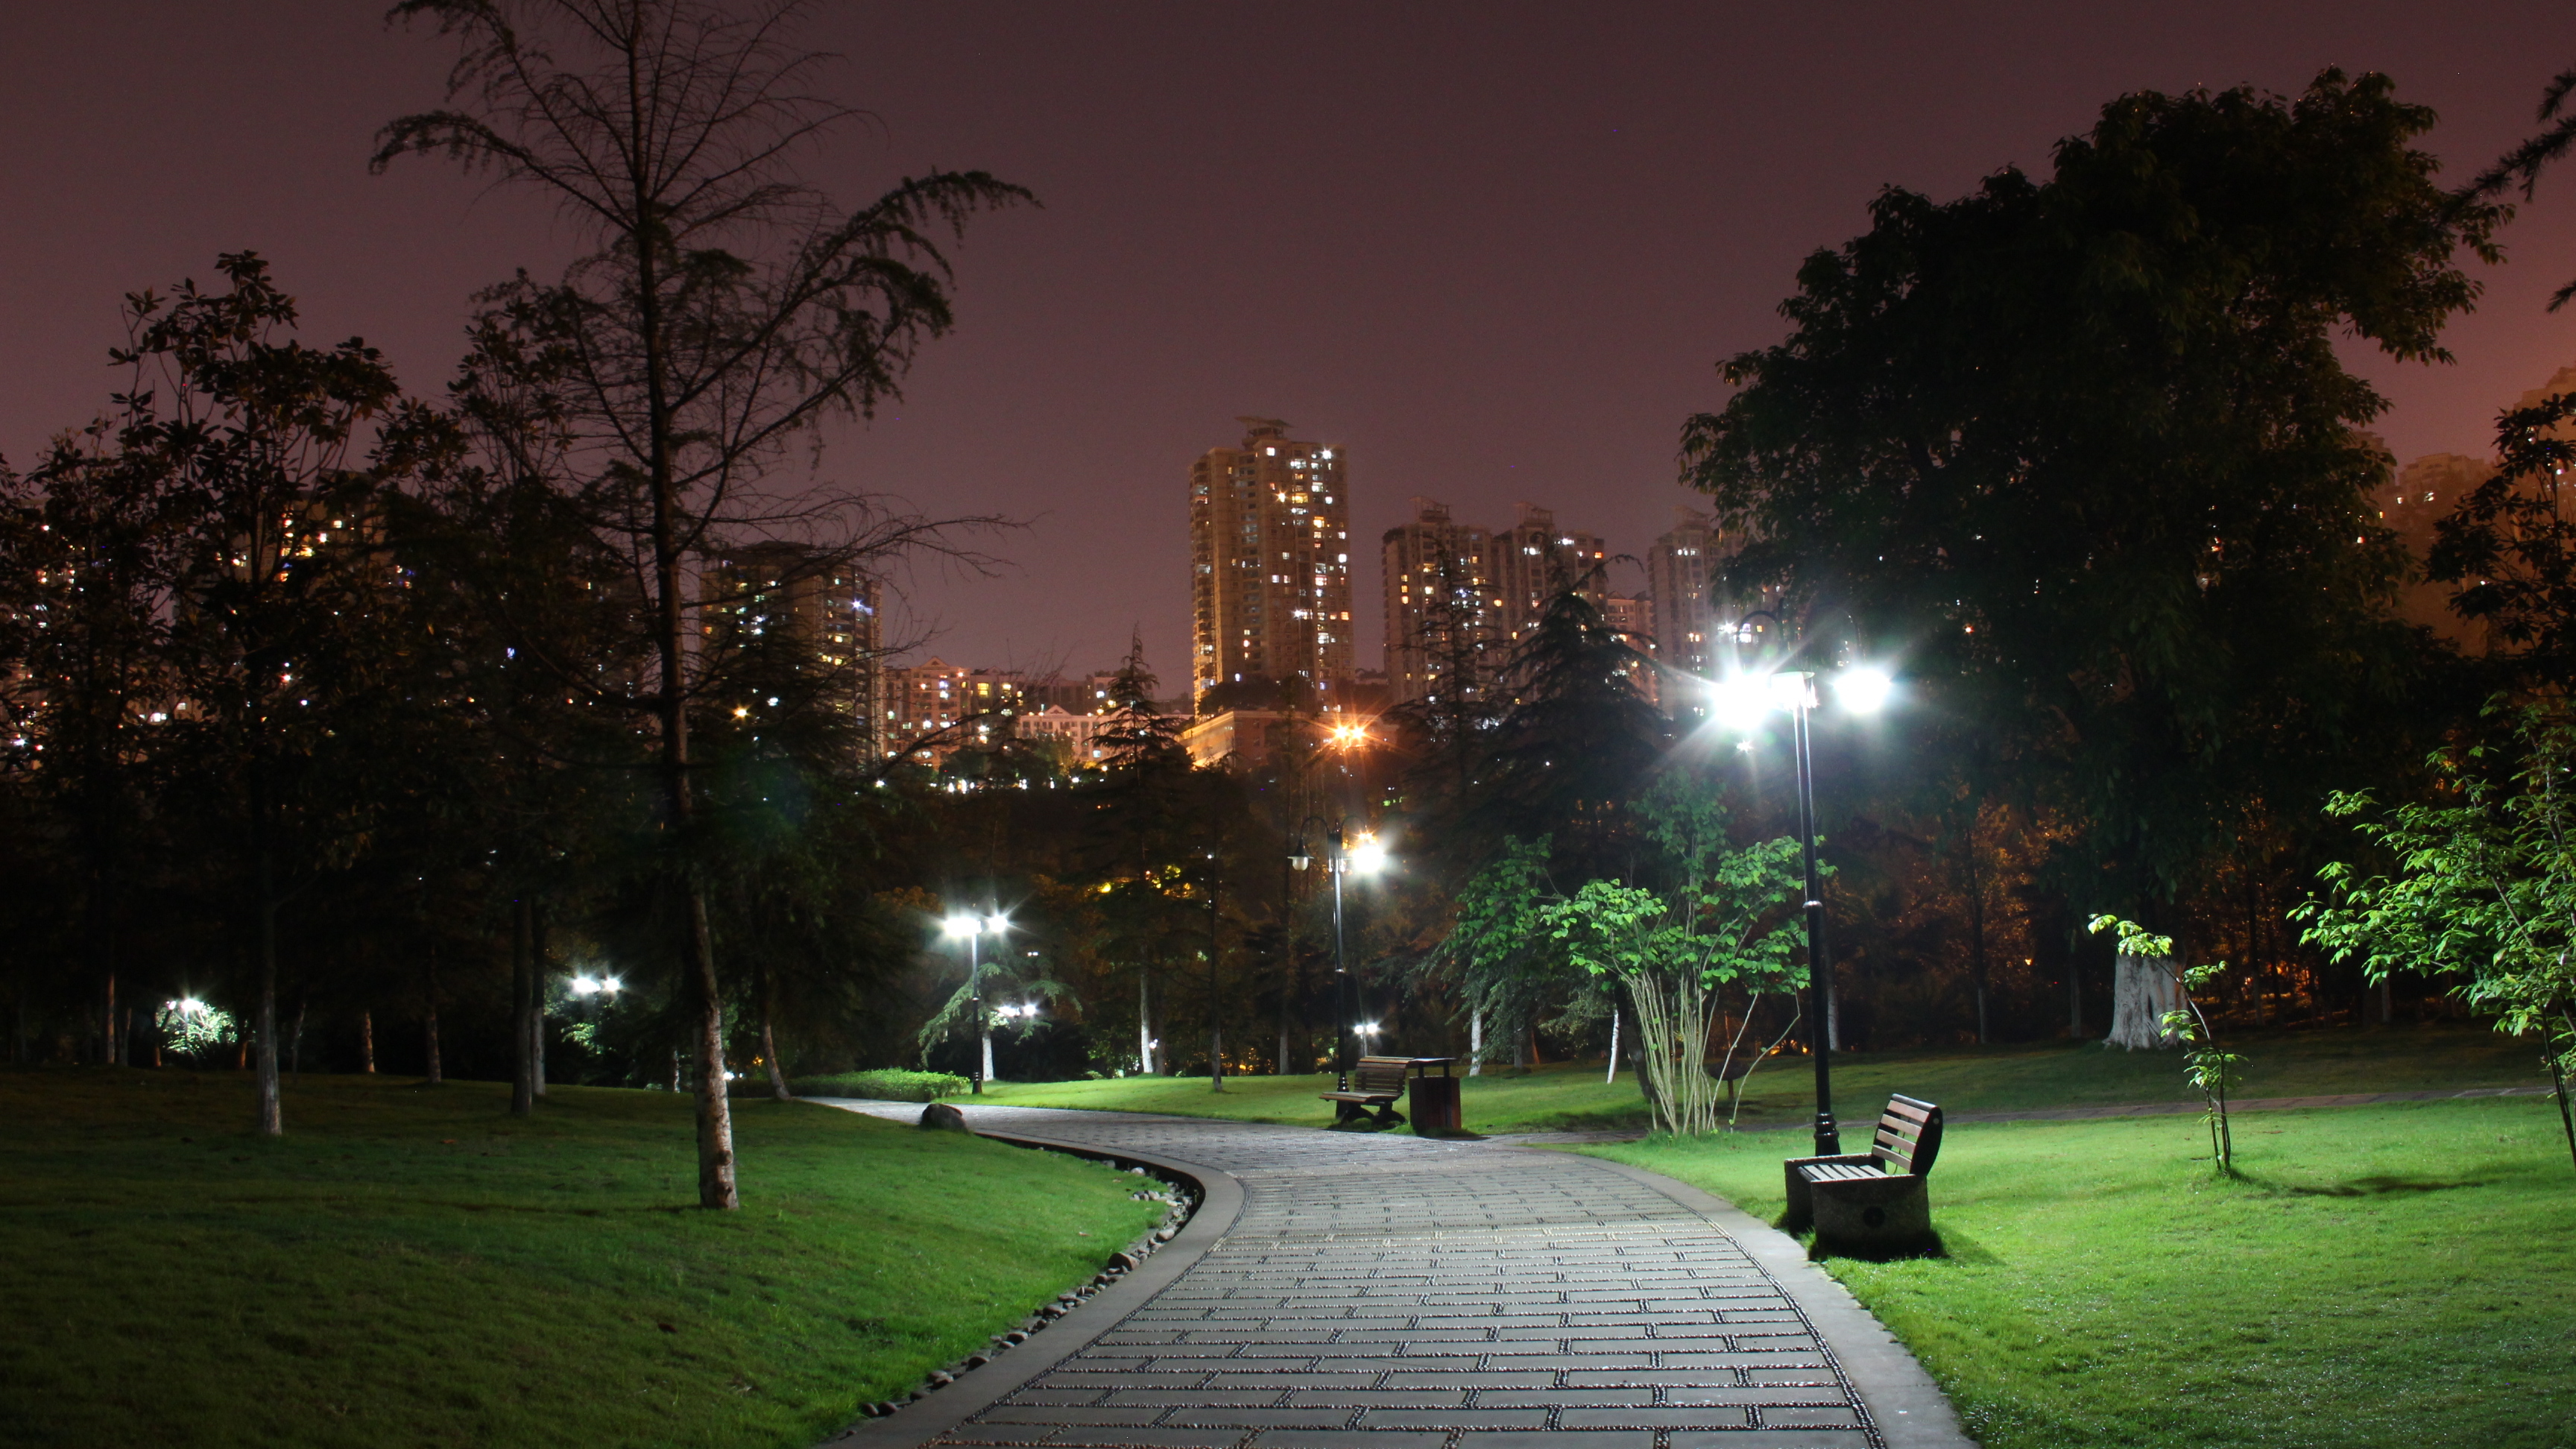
(764, 590)
(1680, 578)
(1534, 561)
(1442, 623)
(933, 709)
(1270, 562)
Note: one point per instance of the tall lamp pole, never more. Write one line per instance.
(1341, 857)
(973, 928)
(1216, 1031)
(1820, 970)
(1742, 700)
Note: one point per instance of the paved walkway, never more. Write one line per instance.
(1384, 1291)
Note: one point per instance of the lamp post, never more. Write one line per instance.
(1216, 1033)
(1341, 856)
(973, 929)
(1742, 700)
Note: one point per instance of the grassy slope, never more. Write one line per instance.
(2055, 1074)
(2383, 1276)
(412, 1267)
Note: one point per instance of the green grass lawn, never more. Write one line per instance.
(2394, 1275)
(410, 1266)
(1573, 1096)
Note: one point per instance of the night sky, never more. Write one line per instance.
(1493, 250)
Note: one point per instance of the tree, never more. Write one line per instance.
(1717, 917)
(249, 446)
(1572, 743)
(2520, 168)
(2479, 882)
(2511, 543)
(2081, 451)
(726, 311)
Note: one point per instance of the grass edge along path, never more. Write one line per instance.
(1573, 1095)
(2380, 1276)
(412, 1266)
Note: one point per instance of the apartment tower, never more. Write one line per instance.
(1441, 606)
(1534, 562)
(1270, 562)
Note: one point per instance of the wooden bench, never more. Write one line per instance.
(1374, 1086)
(1875, 1201)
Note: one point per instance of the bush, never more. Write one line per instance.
(889, 1084)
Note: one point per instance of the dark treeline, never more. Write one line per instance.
(356, 730)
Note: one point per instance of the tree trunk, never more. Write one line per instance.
(2074, 998)
(1521, 1051)
(272, 1116)
(537, 956)
(769, 1042)
(1476, 1042)
(2142, 991)
(367, 1040)
(429, 1026)
(1145, 1020)
(295, 1042)
(523, 1083)
(716, 1187)
(107, 1023)
(1613, 1079)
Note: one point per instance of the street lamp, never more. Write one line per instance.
(1342, 855)
(1739, 702)
(972, 929)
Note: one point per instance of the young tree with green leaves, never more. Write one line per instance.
(2479, 882)
(1716, 916)
(726, 310)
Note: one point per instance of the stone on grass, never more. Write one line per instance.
(939, 1116)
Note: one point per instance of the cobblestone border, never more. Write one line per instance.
(926, 1416)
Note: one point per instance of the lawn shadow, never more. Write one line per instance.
(2380, 1186)
(1930, 1245)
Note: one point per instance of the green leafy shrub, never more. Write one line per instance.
(890, 1084)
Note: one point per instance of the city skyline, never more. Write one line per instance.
(1523, 289)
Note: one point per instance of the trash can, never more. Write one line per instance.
(1434, 1106)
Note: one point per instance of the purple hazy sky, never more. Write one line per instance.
(1491, 249)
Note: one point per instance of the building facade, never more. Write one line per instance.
(1680, 578)
(762, 591)
(1270, 561)
(1442, 609)
(1534, 561)
(933, 709)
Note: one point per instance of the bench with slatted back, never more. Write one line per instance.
(1375, 1084)
(1875, 1200)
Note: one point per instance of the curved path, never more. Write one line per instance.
(1385, 1291)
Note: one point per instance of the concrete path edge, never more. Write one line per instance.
(1908, 1408)
(926, 1418)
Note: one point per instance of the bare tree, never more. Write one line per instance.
(728, 308)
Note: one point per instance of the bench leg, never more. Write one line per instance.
(1344, 1112)
(1387, 1116)
(1873, 1216)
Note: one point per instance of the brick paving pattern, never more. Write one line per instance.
(1389, 1292)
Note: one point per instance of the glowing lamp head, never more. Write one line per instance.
(958, 928)
(1367, 855)
(585, 986)
(1864, 690)
(997, 923)
(1740, 702)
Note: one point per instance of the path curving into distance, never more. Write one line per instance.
(1384, 1291)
